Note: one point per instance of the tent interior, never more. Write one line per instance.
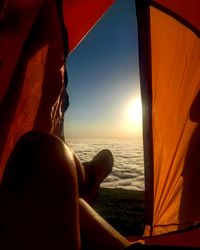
(32, 71)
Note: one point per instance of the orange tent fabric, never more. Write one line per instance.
(184, 9)
(169, 54)
(30, 68)
(32, 91)
(175, 88)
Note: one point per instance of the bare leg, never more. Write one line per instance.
(40, 204)
(39, 194)
(96, 233)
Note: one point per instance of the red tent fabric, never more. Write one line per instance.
(32, 63)
(80, 16)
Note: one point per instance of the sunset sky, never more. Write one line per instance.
(103, 77)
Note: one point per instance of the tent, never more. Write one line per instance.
(170, 80)
(35, 38)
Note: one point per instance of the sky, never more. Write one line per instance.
(103, 78)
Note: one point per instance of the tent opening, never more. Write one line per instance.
(105, 111)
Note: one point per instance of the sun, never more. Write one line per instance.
(133, 116)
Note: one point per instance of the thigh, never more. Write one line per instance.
(39, 195)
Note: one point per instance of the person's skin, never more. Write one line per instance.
(96, 233)
(95, 172)
(40, 203)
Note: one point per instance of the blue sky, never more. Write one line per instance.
(103, 76)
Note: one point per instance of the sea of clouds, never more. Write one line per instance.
(128, 170)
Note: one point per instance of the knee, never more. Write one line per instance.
(40, 161)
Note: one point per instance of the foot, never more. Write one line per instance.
(96, 171)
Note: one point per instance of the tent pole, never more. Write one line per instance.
(143, 17)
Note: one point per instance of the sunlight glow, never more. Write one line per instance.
(133, 117)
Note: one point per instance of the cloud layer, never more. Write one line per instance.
(128, 170)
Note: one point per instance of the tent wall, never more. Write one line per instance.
(174, 85)
(80, 16)
(32, 61)
(31, 79)
(182, 10)
(175, 88)
(185, 239)
(13, 33)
